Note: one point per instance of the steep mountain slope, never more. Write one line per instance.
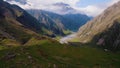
(63, 22)
(16, 24)
(30, 22)
(104, 28)
(50, 20)
(76, 20)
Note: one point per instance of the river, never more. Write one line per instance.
(66, 38)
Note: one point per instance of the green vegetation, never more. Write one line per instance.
(48, 53)
(67, 32)
(74, 40)
(14, 31)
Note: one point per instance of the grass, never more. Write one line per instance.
(58, 38)
(49, 54)
(74, 40)
(66, 32)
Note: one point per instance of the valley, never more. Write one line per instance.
(58, 36)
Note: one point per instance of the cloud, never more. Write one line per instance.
(94, 10)
(25, 6)
(112, 2)
(38, 4)
(91, 10)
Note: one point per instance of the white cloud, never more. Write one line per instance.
(26, 6)
(91, 10)
(38, 4)
(112, 2)
(94, 10)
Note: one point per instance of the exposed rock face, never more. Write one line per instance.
(104, 29)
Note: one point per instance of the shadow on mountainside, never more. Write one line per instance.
(110, 38)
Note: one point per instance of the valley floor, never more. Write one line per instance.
(51, 54)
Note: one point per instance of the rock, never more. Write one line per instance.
(49, 65)
(9, 56)
(54, 66)
(100, 42)
(29, 57)
(18, 54)
(27, 53)
(106, 50)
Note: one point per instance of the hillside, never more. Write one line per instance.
(20, 16)
(16, 24)
(103, 29)
(76, 21)
(50, 54)
(50, 20)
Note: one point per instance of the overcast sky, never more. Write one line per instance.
(89, 7)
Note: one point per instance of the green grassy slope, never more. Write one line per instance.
(48, 53)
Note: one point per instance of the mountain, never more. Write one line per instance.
(103, 29)
(63, 8)
(63, 22)
(16, 24)
(50, 20)
(21, 16)
(64, 17)
(76, 20)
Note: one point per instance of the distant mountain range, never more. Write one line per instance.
(68, 21)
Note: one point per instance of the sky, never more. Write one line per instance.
(88, 7)
(84, 3)
(94, 7)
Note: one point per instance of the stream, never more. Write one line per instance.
(66, 38)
